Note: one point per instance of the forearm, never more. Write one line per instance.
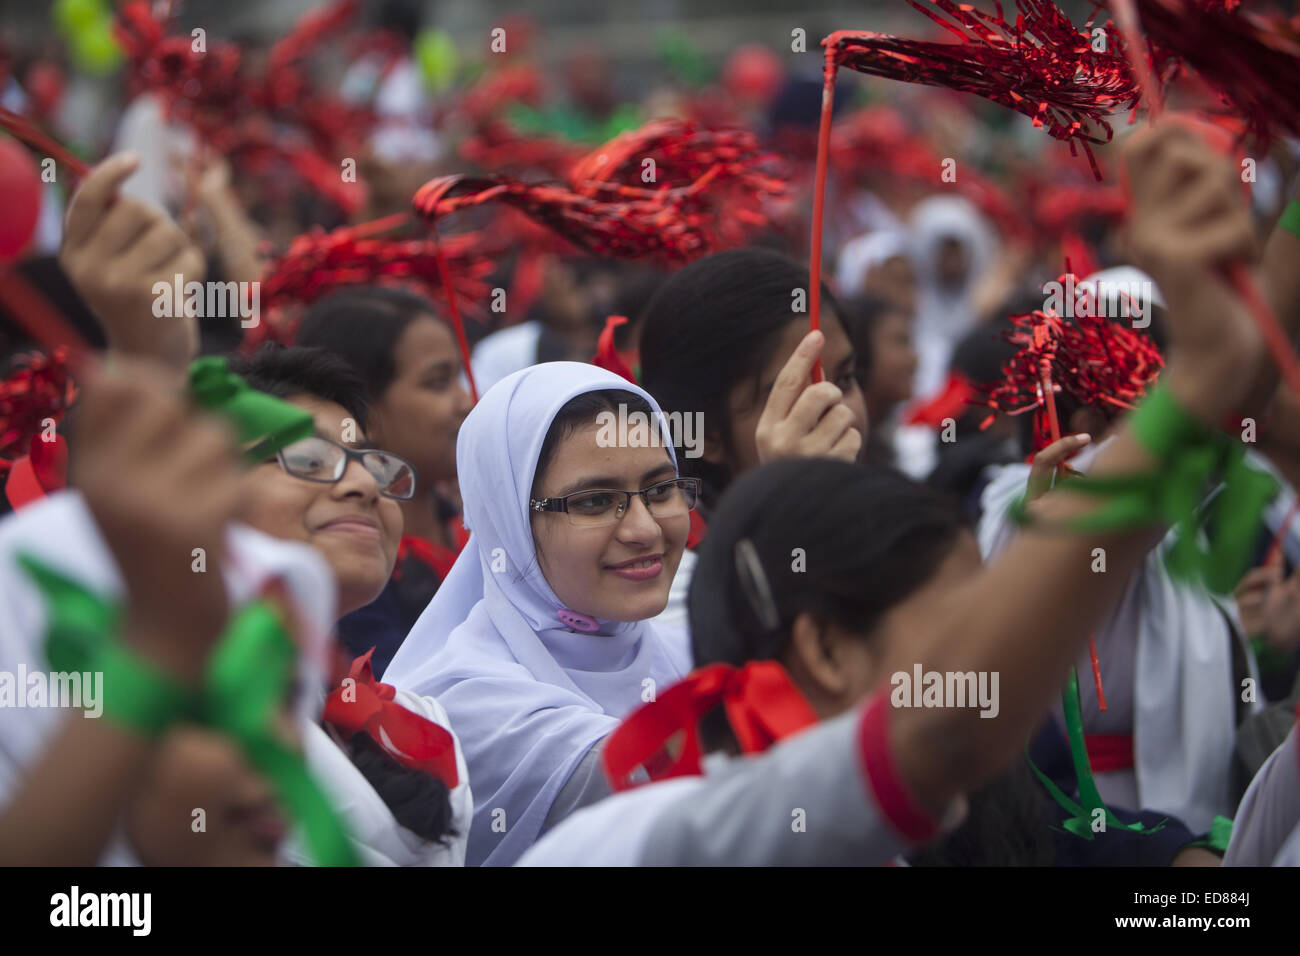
(1027, 615)
(1280, 283)
(65, 809)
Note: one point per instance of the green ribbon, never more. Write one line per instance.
(1219, 837)
(1082, 814)
(248, 676)
(270, 423)
(1190, 456)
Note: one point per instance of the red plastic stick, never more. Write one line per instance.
(457, 323)
(819, 201)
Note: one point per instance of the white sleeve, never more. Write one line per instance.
(814, 799)
(1270, 811)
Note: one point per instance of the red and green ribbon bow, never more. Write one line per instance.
(248, 678)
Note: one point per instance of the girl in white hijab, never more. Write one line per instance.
(539, 642)
(952, 249)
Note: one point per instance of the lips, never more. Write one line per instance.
(353, 524)
(644, 568)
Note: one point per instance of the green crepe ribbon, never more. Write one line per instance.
(260, 418)
(1082, 815)
(1190, 456)
(1219, 837)
(248, 676)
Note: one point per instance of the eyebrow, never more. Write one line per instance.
(606, 482)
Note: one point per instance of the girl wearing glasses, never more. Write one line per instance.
(539, 641)
(408, 359)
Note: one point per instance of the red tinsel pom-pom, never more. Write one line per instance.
(1042, 65)
(1096, 361)
(38, 388)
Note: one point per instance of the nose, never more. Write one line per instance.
(638, 525)
(357, 483)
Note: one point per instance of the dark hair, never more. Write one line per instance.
(866, 538)
(285, 372)
(362, 325)
(715, 324)
(581, 410)
(864, 313)
(418, 801)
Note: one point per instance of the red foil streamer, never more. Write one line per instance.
(318, 262)
(39, 387)
(1251, 61)
(1041, 66)
(1096, 361)
(707, 194)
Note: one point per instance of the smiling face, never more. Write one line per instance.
(420, 413)
(615, 572)
(353, 526)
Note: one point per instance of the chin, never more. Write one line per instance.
(356, 591)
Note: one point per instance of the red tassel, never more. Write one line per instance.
(1042, 66)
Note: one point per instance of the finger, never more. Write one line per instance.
(848, 447)
(812, 405)
(829, 430)
(96, 193)
(159, 243)
(120, 228)
(1050, 458)
(794, 375)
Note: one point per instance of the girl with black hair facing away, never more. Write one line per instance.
(408, 359)
(853, 587)
(540, 639)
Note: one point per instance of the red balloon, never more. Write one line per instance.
(754, 74)
(20, 198)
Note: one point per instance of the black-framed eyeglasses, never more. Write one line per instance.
(319, 459)
(605, 506)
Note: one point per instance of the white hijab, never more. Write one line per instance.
(943, 314)
(861, 255)
(527, 695)
(61, 532)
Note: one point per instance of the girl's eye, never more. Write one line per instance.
(592, 504)
(661, 492)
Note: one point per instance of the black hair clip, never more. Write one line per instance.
(753, 581)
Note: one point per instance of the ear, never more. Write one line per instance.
(812, 663)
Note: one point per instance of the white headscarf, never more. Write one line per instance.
(527, 695)
(863, 254)
(944, 315)
(61, 532)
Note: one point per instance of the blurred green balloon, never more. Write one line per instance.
(95, 50)
(73, 16)
(436, 54)
(88, 27)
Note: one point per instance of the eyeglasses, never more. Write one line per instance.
(319, 459)
(602, 506)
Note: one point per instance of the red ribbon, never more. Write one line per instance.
(413, 741)
(662, 738)
(607, 356)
